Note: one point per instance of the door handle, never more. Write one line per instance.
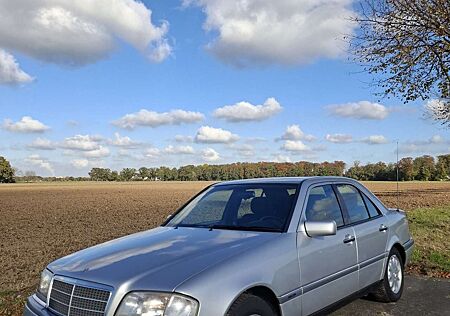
(349, 238)
(383, 228)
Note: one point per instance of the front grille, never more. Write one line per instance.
(71, 299)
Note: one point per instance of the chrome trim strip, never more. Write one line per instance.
(53, 299)
(290, 295)
(315, 284)
(65, 293)
(89, 310)
(372, 260)
(70, 302)
(89, 299)
(408, 244)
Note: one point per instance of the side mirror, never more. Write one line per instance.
(322, 228)
(169, 216)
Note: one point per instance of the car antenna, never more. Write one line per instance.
(398, 192)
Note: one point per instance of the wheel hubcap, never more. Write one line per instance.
(394, 274)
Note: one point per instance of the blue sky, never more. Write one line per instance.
(63, 107)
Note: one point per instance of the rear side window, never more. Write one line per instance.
(373, 210)
(323, 205)
(354, 203)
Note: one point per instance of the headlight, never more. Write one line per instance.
(157, 304)
(44, 284)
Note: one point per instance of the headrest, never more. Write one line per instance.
(260, 206)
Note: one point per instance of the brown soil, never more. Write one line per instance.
(42, 222)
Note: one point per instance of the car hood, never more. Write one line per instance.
(158, 259)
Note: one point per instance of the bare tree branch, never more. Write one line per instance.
(406, 45)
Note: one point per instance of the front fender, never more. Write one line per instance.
(273, 265)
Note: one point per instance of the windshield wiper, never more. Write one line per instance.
(246, 228)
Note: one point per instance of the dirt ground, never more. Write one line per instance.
(42, 222)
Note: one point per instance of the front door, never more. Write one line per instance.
(328, 264)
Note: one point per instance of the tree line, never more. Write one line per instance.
(233, 171)
(424, 168)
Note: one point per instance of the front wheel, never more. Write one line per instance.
(251, 305)
(391, 288)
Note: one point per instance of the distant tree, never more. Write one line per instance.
(443, 167)
(113, 176)
(6, 171)
(406, 169)
(424, 168)
(127, 174)
(144, 173)
(406, 45)
(100, 174)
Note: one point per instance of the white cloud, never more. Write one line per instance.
(339, 138)
(281, 158)
(207, 134)
(124, 141)
(288, 32)
(293, 132)
(82, 142)
(80, 163)
(41, 163)
(26, 125)
(155, 119)
(210, 155)
(179, 150)
(437, 139)
(295, 146)
(184, 139)
(434, 145)
(243, 150)
(245, 111)
(360, 110)
(10, 71)
(101, 152)
(152, 153)
(42, 143)
(375, 140)
(80, 32)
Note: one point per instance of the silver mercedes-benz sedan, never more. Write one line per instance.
(278, 246)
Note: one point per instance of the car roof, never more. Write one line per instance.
(296, 180)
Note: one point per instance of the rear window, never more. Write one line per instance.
(373, 210)
(354, 203)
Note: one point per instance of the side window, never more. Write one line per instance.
(323, 205)
(373, 210)
(353, 201)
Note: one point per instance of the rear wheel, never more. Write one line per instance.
(251, 305)
(391, 288)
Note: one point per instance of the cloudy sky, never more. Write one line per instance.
(127, 84)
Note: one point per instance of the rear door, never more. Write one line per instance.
(328, 264)
(371, 231)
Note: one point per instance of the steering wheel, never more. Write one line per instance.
(271, 218)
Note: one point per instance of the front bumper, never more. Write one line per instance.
(34, 308)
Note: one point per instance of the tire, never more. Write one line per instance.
(248, 304)
(391, 291)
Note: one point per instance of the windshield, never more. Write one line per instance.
(260, 207)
